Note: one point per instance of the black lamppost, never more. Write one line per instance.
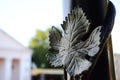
(84, 47)
(99, 12)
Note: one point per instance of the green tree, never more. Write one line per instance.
(39, 44)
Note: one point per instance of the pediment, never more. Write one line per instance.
(9, 43)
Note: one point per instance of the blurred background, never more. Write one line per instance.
(28, 23)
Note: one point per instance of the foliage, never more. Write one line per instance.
(39, 44)
(40, 39)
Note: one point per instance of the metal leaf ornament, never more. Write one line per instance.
(72, 50)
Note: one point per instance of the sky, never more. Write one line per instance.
(21, 18)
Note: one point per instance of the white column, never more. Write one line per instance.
(8, 69)
(25, 69)
(21, 74)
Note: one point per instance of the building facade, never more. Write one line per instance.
(15, 59)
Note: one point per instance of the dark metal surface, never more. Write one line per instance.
(104, 65)
(95, 10)
(100, 12)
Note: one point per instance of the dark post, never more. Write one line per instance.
(99, 12)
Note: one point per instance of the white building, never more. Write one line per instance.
(15, 59)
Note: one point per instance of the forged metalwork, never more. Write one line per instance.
(72, 49)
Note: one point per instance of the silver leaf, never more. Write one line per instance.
(72, 49)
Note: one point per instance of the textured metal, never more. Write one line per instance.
(73, 50)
